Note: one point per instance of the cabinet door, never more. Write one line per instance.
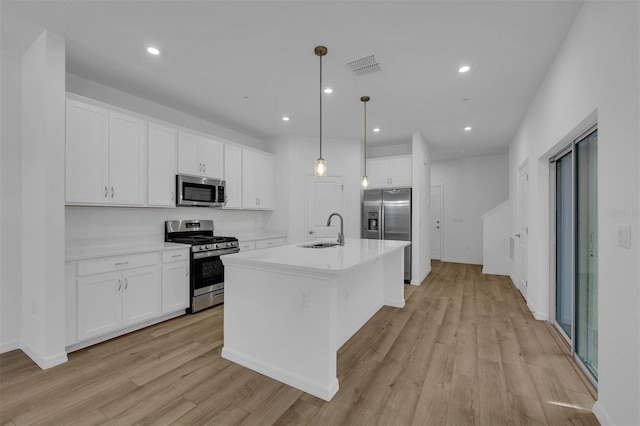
(127, 165)
(86, 153)
(233, 176)
(175, 286)
(161, 165)
(266, 183)
(141, 295)
(188, 158)
(212, 156)
(250, 179)
(400, 171)
(378, 171)
(99, 304)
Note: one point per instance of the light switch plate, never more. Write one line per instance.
(624, 235)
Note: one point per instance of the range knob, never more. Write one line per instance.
(206, 247)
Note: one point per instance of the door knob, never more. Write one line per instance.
(437, 227)
(517, 235)
(312, 232)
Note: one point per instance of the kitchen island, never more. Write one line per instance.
(288, 309)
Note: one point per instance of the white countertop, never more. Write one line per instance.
(335, 259)
(79, 250)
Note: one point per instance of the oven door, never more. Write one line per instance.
(207, 281)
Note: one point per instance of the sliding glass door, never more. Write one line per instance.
(576, 249)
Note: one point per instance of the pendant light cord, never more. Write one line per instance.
(365, 138)
(321, 106)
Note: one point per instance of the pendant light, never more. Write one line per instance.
(365, 179)
(321, 164)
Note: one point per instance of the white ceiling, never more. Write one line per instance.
(245, 64)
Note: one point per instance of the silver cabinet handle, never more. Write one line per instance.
(106, 192)
(119, 284)
(176, 255)
(112, 192)
(186, 271)
(172, 195)
(200, 167)
(122, 263)
(126, 283)
(204, 167)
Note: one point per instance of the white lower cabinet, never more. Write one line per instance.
(175, 286)
(109, 301)
(107, 296)
(262, 244)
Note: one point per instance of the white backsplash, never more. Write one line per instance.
(99, 223)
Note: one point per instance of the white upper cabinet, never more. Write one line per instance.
(86, 153)
(127, 160)
(161, 165)
(105, 156)
(389, 172)
(233, 176)
(258, 177)
(200, 156)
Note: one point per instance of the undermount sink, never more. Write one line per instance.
(320, 245)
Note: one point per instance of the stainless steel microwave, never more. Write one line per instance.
(200, 191)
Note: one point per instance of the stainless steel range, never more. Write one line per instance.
(207, 270)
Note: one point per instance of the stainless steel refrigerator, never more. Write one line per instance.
(386, 215)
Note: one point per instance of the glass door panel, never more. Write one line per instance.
(586, 287)
(564, 243)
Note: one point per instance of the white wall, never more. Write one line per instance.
(421, 200)
(96, 223)
(376, 151)
(593, 78)
(43, 135)
(471, 187)
(496, 234)
(95, 90)
(10, 183)
(295, 157)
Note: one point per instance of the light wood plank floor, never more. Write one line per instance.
(464, 351)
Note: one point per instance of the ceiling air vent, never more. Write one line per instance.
(365, 65)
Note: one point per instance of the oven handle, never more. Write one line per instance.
(205, 254)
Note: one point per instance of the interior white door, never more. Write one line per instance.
(435, 222)
(324, 196)
(523, 228)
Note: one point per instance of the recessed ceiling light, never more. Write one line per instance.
(285, 118)
(468, 128)
(376, 129)
(464, 68)
(153, 50)
(328, 90)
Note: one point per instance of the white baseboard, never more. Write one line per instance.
(494, 271)
(291, 379)
(9, 346)
(602, 415)
(43, 361)
(390, 302)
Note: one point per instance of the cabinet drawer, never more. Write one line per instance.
(273, 242)
(175, 255)
(116, 263)
(247, 246)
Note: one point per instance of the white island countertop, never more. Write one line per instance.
(332, 260)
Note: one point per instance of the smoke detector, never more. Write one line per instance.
(364, 65)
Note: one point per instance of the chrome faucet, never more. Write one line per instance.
(341, 233)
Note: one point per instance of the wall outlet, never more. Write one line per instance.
(305, 298)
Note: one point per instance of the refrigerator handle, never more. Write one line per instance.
(381, 230)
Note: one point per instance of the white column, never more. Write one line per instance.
(43, 133)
